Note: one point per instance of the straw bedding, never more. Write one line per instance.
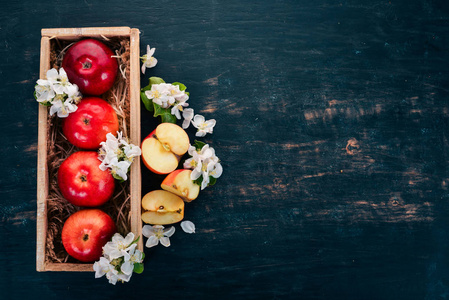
(59, 209)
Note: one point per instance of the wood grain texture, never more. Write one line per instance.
(73, 33)
(332, 127)
(42, 173)
(135, 174)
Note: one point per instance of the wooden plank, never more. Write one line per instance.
(135, 181)
(42, 173)
(74, 33)
(69, 267)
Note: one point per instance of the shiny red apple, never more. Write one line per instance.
(87, 127)
(86, 232)
(82, 182)
(90, 65)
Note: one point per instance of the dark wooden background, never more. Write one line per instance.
(332, 125)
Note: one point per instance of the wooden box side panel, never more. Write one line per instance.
(42, 170)
(136, 181)
(69, 267)
(74, 33)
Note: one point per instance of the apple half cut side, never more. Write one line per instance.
(162, 208)
(179, 183)
(162, 149)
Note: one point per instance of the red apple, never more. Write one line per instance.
(86, 232)
(163, 148)
(87, 127)
(82, 182)
(90, 65)
(179, 183)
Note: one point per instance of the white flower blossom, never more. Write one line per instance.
(168, 96)
(187, 114)
(57, 91)
(188, 226)
(178, 107)
(157, 233)
(202, 125)
(148, 60)
(62, 109)
(44, 91)
(119, 257)
(132, 151)
(120, 168)
(134, 256)
(117, 154)
(204, 163)
(118, 245)
(103, 267)
(62, 85)
(53, 76)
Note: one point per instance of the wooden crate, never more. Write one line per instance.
(49, 37)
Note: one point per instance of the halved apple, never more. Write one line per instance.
(161, 207)
(162, 149)
(179, 182)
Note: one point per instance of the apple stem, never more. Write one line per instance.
(85, 237)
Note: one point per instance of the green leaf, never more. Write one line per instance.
(168, 118)
(47, 103)
(118, 178)
(199, 180)
(164, 113)
(182, 87)
(138, 268)
(212, 180)
(156, 80)
(199, 145)
(143, 256)
(146, 102)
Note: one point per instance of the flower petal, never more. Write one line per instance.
(127, 267)
(152, 241)
(217, 171)
(147, 231)
(188, 226)
(198, 120)
(200, 133)
(169, 232)
(195, 174)
(165, 241)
